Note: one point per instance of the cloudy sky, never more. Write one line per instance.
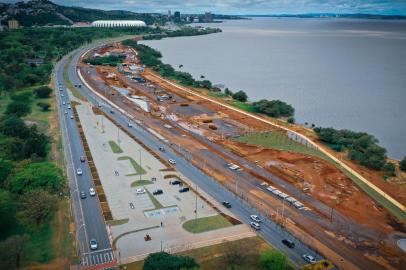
(245, 6)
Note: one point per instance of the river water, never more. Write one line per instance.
(335, 72)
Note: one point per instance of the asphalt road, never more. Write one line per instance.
(88, 216)
(270, 231)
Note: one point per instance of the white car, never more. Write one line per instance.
(66, 112)
(93, 244)
(79, 171)
(309, 258)
(255, 225)
(62, 95)
(63, 103)
(140, 191)
(69, 107)
(71, 117)
(92, 192)
(255, 218)
(172, 161)
(130, 124)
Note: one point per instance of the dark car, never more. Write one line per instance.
(83, 195)
(157, 192)
(185, 189)
(288, 243)
(227, 204)
(82, 159)
(162, 149)
(176, 182)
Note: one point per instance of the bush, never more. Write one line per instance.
(163, 260)
(240, 96)
(41, 175)
(274, 108)
(18, 108)
(273, 260)
(44, 106)
(402, 164)
(389, 168)
(291, 120)
(43, 92)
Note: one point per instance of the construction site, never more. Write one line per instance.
(261, 163)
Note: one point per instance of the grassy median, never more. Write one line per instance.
(206, 224)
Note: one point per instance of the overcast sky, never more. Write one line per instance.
(245, 6)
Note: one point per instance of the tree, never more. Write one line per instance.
(44, 175)
(44, 106)
(7, 207)
(36, 207)
(235, 255)
(228, 92)
(5, 169)
(13, 126)
(402, 164)
(165, 261)
(273, 260)
(18, 108)
(240, 96)
(11, 251)
(43, 92)
(274, 108)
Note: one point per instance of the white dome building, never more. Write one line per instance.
(119, 23)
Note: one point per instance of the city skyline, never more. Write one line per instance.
(253, 7)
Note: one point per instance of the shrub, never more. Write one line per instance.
(402, 164)
(44, 106)
(43, 92)
(240, 96)
(18, 108)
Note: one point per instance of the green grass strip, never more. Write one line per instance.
(115, 147)
(138, 169)
(154, 200)
(117, 222)
(141, 183)
(206, 224)
(69, 84)
(130, 232)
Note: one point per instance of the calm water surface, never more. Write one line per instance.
(335, 72)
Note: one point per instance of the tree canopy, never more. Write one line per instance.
(274, 108)
(273, 260)
(402, 164)
(240, 96)
(163, 260)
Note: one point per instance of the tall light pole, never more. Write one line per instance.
(140, 164)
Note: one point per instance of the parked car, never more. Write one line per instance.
(255, 225)
(227, 204)
(172, 161)
(93, 244)
(288, 243)
(79, 171)
(83, 195)
(140, 191)
(184, 189)
(255, 218)
(309, 258)
(92, 192)
(157, 192)
(175, 182)
(82, 159)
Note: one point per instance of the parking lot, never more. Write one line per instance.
(144, 222)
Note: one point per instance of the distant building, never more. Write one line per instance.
(34, 61)
(13, 24)
(119, 23)
(196, 19)
(176, 16)
(208, 17)
(169, 13)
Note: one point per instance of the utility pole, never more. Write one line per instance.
(140, 164)
(196, 206)
(118, 135)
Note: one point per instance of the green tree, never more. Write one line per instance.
(7, 207)
(5, 169)
(166, 261)
(11, 251)
(228, 92)
(44, 106)
(18, 108)
(402, 164)
(291, 120)
(36, 208)
(13, 126)
(240, 96)
(44, 175)
(273, 260)
(43, 92)
(389, 168)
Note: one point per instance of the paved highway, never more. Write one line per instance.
(269, 230)
(88, 217)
